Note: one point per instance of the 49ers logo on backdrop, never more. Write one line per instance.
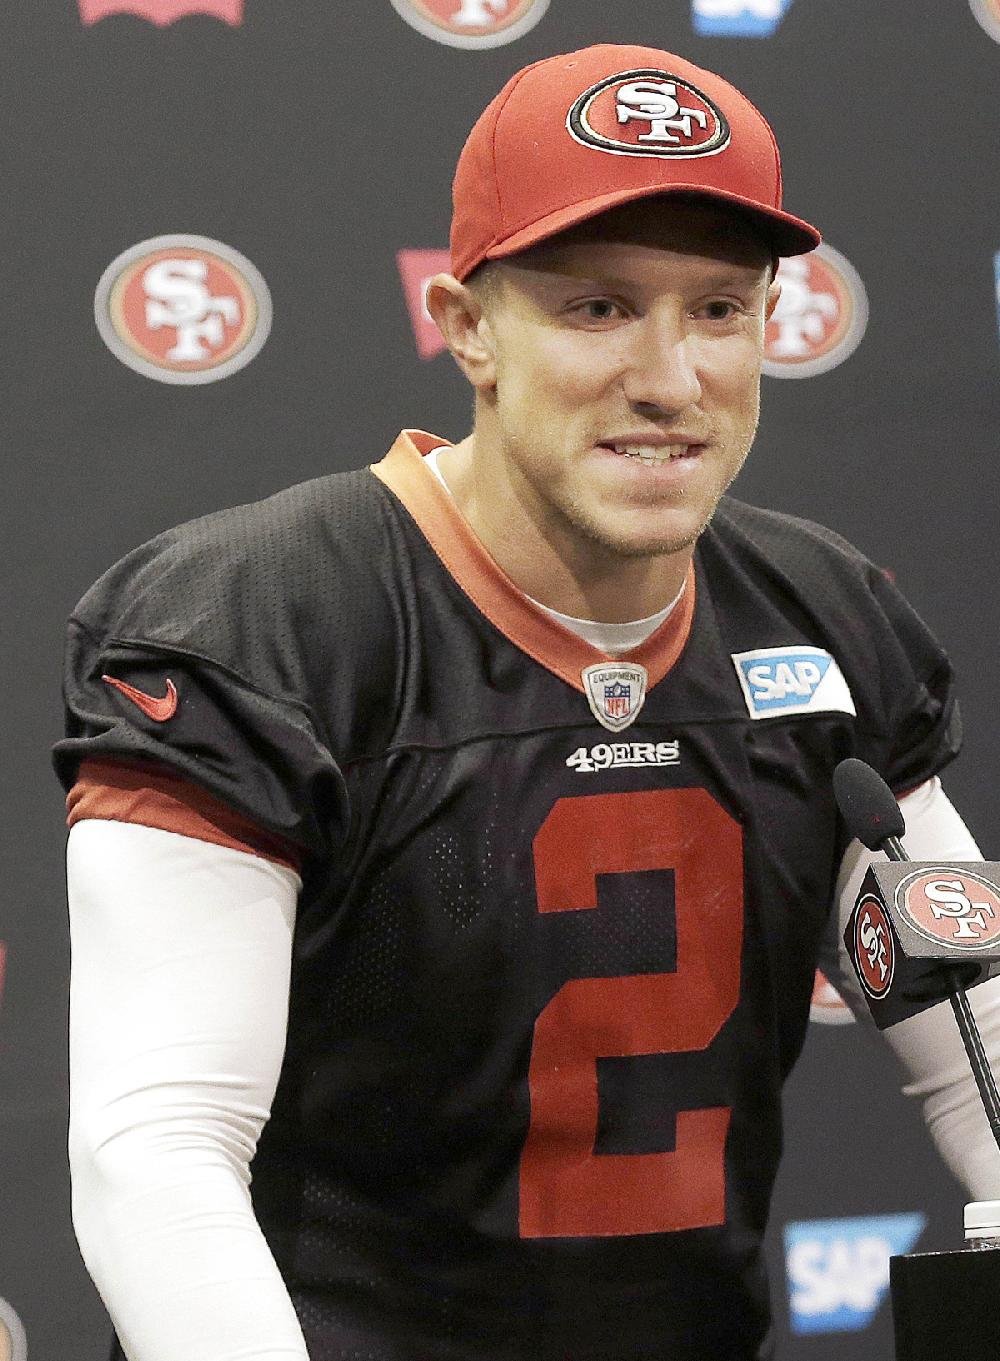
(416, 269)
(13, 1342)
(820, 318)
(472, 23)
(954, 906)
(183, 309)
(162, 12)
(648, 113)
(988, 14)
(827, 1007)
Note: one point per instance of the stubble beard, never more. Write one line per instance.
(575, 522)
(576, 526)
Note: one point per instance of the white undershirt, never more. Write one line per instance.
(612, 639)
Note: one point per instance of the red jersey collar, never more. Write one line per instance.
(491, 590)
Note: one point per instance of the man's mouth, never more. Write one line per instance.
(654, 454)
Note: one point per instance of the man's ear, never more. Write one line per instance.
(459, 316)
(771, 298)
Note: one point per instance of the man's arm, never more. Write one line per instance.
(929, 1046)
(178, 1010)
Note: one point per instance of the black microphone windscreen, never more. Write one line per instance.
(866, 803)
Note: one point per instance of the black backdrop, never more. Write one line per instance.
(317, 140)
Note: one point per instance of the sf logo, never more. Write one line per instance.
(874, 945)
(802, 315)
(176, 296)
(949, 901)
(480, 13)
(655, 101)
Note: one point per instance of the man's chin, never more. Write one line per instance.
(649, 543)
(648, 533)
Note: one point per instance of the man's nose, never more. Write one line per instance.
(661, 368)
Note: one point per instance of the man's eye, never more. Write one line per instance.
(721, 309)
(598, 309)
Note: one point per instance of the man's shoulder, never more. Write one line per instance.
(790, 558)
(211, 581)
(784, 538)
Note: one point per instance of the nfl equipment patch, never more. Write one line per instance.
(792, 680)
(615, 692)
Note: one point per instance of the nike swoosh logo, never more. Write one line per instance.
(159, 710)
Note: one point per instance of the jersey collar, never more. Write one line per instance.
(493, 593)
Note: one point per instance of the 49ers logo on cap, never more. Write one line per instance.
(183, 309)
(954, 906)
(472, 23)
(648, 113)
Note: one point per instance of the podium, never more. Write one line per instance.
(946, 1305)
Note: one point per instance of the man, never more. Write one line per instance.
(454, 763)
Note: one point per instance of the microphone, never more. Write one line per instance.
(923, 927)
(869, 808)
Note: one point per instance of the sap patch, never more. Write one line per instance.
(792, 680)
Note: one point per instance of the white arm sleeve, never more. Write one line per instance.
(929, 1046)
(178, 1009)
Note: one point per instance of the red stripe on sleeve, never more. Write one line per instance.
(153, 796)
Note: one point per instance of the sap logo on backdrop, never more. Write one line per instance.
(988, 14)
(820, 318)
(472, 23)
(416, 269)
(183, 309)
(996, 279)
(827, 1007)
(738, 18)
(162, 12)
(838, 1269)
(13, 1340)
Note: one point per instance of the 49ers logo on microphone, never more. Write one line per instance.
(820, 317)
(472, 23)
(648, 113)
(954, 906)
(183, 309)
(163, 12)
(874, 950)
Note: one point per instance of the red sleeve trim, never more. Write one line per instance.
(152, 796)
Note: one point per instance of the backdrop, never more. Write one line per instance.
(254, 194)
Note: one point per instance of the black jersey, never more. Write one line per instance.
(560, 915)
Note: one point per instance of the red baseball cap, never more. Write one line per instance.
(571, 136)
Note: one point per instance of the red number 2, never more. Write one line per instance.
(568, 1190)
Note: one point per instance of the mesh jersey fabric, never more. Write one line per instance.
(541, 1007)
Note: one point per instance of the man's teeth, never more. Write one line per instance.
(646, 453)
